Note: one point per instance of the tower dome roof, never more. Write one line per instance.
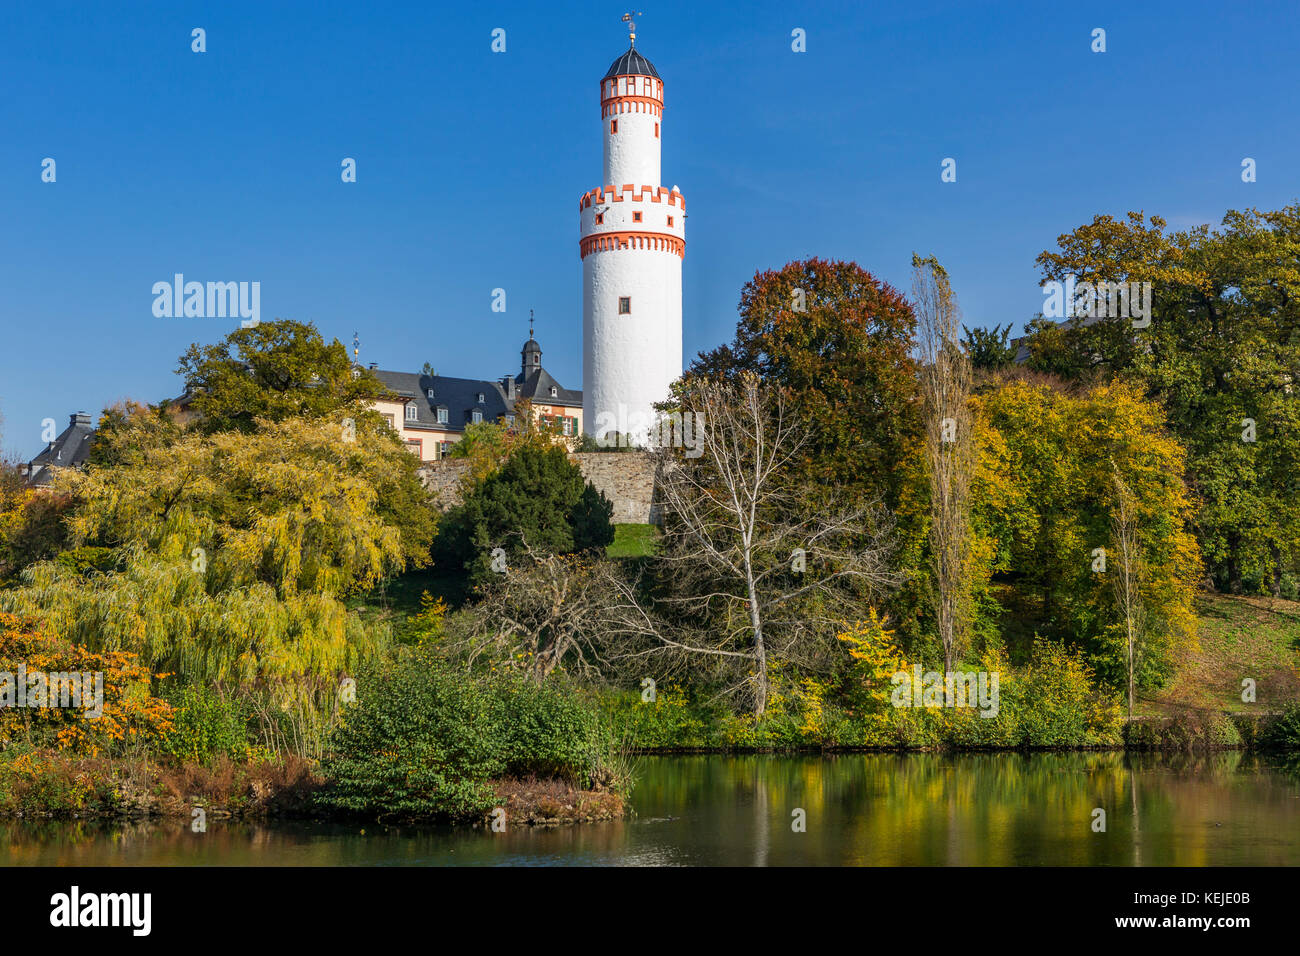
(631, 63)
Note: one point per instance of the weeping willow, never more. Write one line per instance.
(232, 557)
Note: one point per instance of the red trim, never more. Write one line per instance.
(615, 241)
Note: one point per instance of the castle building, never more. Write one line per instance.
(430, 412)
(632, 242)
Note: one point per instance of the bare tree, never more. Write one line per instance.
(548, 609)
(946, 389)
(745, 556)
(1127, 581)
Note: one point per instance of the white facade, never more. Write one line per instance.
(633, 239)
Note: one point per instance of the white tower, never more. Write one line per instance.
(633, 240)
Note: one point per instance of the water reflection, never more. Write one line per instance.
(874, 810)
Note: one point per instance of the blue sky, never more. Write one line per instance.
(225, 165)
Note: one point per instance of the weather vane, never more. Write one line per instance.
(631, 25)
(356, 346)
(530, 323)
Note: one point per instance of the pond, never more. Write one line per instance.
(857, 810)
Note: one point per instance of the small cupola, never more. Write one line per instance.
(531, 352)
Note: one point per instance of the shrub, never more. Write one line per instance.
(424, 740)
(420, 741)
(130, 715)
(205, 726)
(1284, 732)
(549, 732)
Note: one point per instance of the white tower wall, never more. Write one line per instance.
(633, 240)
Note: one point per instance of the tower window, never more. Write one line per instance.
(636, 217)
(670, 220)
(624, 305)
(656, 130)
(600, 218)
(613, 126)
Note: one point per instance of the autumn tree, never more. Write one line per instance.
(233, 552)
(1221, 354)
(838, 343)
(272, 371)
(945, 391)
(1044, 501)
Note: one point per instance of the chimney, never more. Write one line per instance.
(509, 383)
(80, 418)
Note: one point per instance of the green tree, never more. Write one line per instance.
(537, 500)
(989, 349)
(273, 371)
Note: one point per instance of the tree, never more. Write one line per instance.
(538, 500)
(1220, 355)
(989, 349)
(273, 371)
(946, 390)
(233, 552)
(756, 567)
(488, 445)
(837, 342)
(1125, 579)
(1043, 505)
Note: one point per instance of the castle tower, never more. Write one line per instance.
(633, 240)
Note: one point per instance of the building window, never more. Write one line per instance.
(636, 217)
(443, 448)
(415, 447)
(568, 426)
(392, 420)
(613, 126)
(412, 413)
(442, 415)
(624, 305)
(510, 419)
(670, 220)
(476, 417)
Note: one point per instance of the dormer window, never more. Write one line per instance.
(554, 391)
(476, 417)
(442, 414)
(429, 392)
(412, 413)
(480, 398)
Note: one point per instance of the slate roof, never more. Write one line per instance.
(460, 396)
(69, 450)
(536, 386)
(631, 63)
